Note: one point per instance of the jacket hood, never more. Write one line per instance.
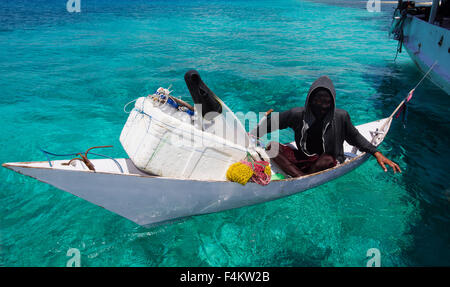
(325, 83)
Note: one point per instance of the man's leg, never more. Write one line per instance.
(324, 161)
(283, 161)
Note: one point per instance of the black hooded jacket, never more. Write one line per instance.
(337, 126)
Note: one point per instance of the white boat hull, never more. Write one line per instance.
(427, 44)
(149, 200)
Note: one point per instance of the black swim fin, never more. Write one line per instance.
(201, 94)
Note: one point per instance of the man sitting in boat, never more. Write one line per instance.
(320, 130)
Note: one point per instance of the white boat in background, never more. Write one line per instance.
(424, 32)
(118, 186)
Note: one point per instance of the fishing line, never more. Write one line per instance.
(426, 74)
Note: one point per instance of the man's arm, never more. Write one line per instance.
(268, 125)
(354, 138)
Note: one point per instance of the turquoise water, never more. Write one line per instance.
(65, 78)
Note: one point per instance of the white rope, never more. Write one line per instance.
(426, 74)
(124, 107)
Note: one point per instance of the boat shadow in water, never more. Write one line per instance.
(420, 144)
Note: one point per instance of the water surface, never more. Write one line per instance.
(66, 77)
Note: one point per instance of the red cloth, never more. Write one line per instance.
(302, 161)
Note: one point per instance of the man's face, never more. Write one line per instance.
(321, 103)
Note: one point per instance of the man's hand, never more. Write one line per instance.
(382, 161)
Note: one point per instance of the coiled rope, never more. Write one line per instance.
(83, 157)
(245, 170)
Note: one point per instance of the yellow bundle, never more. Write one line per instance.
(240, 173)
(268, 171)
